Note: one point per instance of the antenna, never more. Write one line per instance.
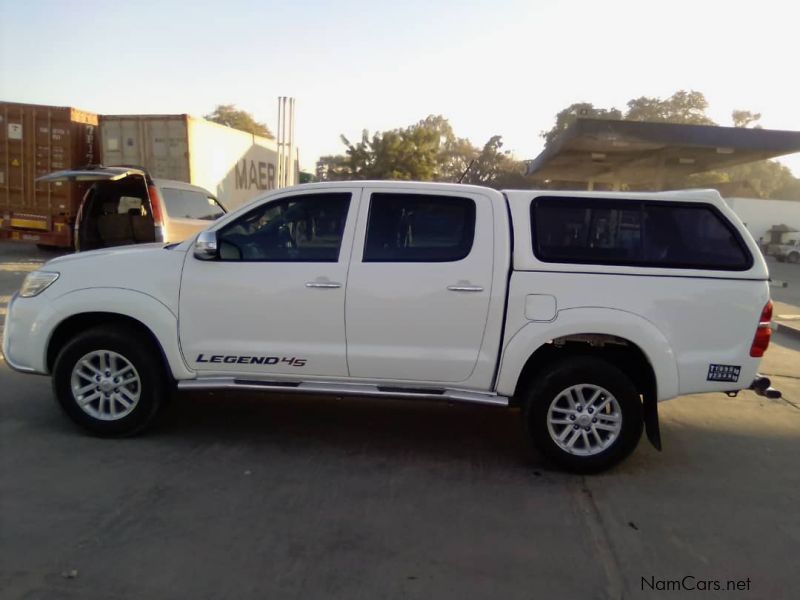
(464, 174)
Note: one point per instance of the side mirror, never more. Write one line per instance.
(205, 246)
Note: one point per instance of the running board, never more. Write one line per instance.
(342, 389)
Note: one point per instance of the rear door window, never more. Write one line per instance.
(419, 228)
(652, 234)
(191, 204)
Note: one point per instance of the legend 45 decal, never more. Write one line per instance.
(230, 359)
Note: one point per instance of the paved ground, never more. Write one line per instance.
(236, 496)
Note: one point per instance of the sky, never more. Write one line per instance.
(491, 67)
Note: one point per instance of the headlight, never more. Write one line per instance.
(37, 282)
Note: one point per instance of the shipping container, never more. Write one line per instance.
(35, 140)
(234, 165)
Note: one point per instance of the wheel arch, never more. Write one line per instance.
(622, 353)
(616, 335)
(74, 324)
(86, 308)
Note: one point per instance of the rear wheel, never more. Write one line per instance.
(794, 257)
(110, 380)
(583, 414)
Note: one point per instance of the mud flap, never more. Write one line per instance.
(650, 414)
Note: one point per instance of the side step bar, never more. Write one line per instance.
(343, 389)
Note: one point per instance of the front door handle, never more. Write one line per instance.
(465, 288)
(323, 284)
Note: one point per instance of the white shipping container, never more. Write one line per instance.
(234, 165)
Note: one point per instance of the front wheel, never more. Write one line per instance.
(110, 380)
(583, 414)
(794, 257)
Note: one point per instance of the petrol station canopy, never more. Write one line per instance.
(646, 155)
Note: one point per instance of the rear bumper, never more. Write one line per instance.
(62, 239)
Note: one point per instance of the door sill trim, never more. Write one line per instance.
(343, 389)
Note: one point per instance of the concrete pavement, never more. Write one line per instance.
(246, 496)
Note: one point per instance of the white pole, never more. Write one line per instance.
(278, 146)
(285, 138)
(296, 164)
(290, 158)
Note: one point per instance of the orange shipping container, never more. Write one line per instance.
(36, 140)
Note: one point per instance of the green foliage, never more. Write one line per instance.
(768, 179)
(229, 115)
(495, 168)
(304, 177)
(745, 118)
(682, 107)
(428, 150)
(333, 168)
(760, 179)
(573, 112)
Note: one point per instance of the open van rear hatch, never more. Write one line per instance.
(121, 206)
(92, 173)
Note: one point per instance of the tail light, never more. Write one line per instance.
(158, 216)
(155, 204)
(763, 332)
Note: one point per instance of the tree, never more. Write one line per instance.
(428, 150)
(229, 115)
(768, 178)
(682, 107)
(745, 118)
(333, 168)
(495, 168)
(569, 115)
(425, 151)
(409, 153)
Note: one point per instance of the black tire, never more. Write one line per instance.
(560, 376)
(135, 347)
(794, 258)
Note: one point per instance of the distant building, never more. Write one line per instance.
(767, 220)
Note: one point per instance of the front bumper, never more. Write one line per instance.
(21, 335)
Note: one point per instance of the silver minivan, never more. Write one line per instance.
(124, 205)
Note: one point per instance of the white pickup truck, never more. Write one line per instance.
(582, 309)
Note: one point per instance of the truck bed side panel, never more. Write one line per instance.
(705, 321)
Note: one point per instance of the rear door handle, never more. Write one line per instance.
(465, 288)
(323, 284)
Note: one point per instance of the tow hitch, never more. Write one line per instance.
(763, 387)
